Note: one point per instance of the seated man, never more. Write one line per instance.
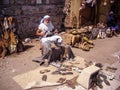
(54, 49)
(45, 28)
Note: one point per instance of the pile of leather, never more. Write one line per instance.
(79, 38)
(9, 38)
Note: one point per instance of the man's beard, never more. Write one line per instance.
(46, 23)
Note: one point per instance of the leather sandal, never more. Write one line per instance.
(42, 72)
(61, 80)
(44, 77)
(106, 82)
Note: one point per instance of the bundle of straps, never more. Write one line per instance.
(9, 36)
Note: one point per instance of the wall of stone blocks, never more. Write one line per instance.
(29, 12)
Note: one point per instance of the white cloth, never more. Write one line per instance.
(49, 41)
(52, 39)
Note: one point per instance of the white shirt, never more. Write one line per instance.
(43, 27)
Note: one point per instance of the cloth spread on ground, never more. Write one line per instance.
(30, 78)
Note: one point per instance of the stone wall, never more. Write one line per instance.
(29, 12)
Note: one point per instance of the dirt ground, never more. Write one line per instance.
(20, 63)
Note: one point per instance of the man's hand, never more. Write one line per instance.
(40, 33)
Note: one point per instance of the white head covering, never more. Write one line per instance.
(46, 26)
(45, 17)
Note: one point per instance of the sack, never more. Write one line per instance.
(72, 39)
